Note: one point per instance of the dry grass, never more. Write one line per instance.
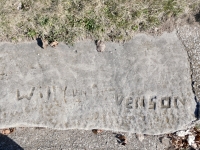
(71, 20)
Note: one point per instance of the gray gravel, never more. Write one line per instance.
(48, 139)
(190, 37)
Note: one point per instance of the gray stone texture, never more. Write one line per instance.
(142, 86)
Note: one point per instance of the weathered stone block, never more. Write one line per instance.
(141, 86)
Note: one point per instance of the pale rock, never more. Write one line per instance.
(191, 139)
(140, 137)
(183, 133)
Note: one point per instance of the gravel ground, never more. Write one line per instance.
(48, 139)
(190, 37)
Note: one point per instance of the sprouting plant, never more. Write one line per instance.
(31, 33)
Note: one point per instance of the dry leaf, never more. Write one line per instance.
(96, 131)
(170, 135)
(100, 46)
(54, 44)
(122, 139)
(197, 139)
(7, 131)
(45, 43)
(196, 130)
(179, 142)
(186, 139)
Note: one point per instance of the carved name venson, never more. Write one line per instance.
(130, 102)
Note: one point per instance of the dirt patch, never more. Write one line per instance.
(172, 23)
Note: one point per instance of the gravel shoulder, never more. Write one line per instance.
(48, 139)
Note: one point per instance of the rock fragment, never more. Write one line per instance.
(96, 131)
(20, 6)
(140, 137)
(100, 46)
(45, 43)
(54, 44)
(191, 139)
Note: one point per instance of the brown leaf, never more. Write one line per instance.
(45, 43)
(197, 139)
(96, 131)
(197, 130)
(179, 142)
(54, 44)
(185, 143)
(100, 46)
(7, 131)
(122, 139)
(170, 135)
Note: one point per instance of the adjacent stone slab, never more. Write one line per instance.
(141, 86)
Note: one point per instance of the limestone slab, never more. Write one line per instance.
(141, 86)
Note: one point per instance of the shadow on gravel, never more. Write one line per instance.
(197, 17)
(197, 111)
(39, 42)
(8, 144)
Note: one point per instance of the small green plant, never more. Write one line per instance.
(90, 25)
(31, 33)
(43, 21)
(135, 27)
(197, 126)
(135, 14)
(153, 21)
(171, 8)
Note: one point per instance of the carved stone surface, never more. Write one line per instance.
(141, 86)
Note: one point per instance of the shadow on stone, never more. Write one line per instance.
(8, 144)
(197, 111)
(95, 42)
(197, 17)
(39, 42)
